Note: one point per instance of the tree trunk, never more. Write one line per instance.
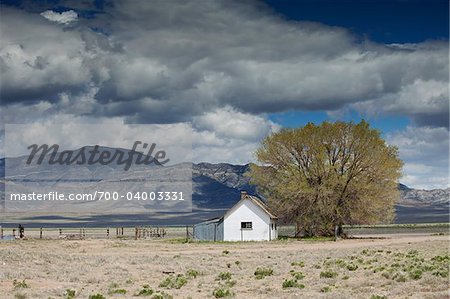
(338, 232)
(297, 230)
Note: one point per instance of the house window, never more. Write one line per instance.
(246, 225)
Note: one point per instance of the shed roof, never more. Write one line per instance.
(212, 220)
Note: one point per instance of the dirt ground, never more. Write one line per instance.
(389, 266)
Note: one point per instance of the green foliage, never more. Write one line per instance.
(114, 289)
(161, 295)
(413, 266)
(20, 284)
(262, 272)
(69, 294)
(328, 274)
(339, 262)
(179, 280)
(352, 267)
(393, 265)
(378, 297)
(20, 296)
(97, 296)
(191, 273)
(145, 291)
(440, 273)
(441, 258)
(325, 289)
(224, 275)
(174, 282)
(292, 283)
(300, 264)
(415, 274)
(335, 173)
(297, 275)
(222, 291)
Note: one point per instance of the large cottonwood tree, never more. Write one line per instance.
(321, 177)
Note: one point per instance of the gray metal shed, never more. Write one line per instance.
(209, 230)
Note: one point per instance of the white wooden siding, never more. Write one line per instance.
(247, 211)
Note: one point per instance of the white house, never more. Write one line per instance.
(248, 220)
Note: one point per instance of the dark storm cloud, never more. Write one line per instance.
(166, 61)
(434, 120)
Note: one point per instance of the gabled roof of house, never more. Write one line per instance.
(256, 201)
(263, 206)
(244, 196)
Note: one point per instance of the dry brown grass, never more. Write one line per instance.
(51, 267)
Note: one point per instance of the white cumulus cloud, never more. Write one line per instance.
(424, 150)
(65, 17)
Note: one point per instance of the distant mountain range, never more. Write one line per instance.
(422, 206)
(216, 187)
(420, 197)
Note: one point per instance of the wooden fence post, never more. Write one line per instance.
(40, 233)
(14, 232)
(1, 232)
(136, 233)
(107, 232)
(60, 232)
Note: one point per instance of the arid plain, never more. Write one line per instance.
(389, 266)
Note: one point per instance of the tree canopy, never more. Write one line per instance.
(324, 176)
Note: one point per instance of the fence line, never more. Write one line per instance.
(187, 231)
(120, 232)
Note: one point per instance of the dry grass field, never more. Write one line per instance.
(399, 266)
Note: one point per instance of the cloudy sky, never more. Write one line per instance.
(234, 71)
